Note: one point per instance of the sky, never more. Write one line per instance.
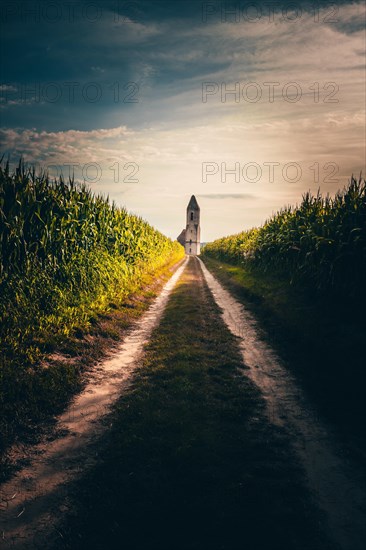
(246, 105)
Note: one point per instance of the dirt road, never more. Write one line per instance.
(336, 482)
(210, 402)
(32, 500)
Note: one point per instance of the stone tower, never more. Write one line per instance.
(193, 230)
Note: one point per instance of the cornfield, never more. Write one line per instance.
(65, 254)
(321, 243)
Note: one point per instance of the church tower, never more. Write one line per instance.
(193, 230)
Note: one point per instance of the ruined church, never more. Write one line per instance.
(190, 236)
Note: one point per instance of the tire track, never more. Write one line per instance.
(338, 485)
(32, 501)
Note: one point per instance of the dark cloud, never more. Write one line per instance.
(165, 47)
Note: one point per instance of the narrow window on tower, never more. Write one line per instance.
(191, 215)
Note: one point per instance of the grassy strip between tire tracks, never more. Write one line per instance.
(322, 341)
(190, 461)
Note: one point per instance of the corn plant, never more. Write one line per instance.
(321, 242)
(64, 253)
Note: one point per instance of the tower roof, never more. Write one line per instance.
(193, 204)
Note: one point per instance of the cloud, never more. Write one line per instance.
(221, 196)
(70, 146)
(170, 132)
(97, 69)
(7, 88)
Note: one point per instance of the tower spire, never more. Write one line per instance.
(193, 204)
